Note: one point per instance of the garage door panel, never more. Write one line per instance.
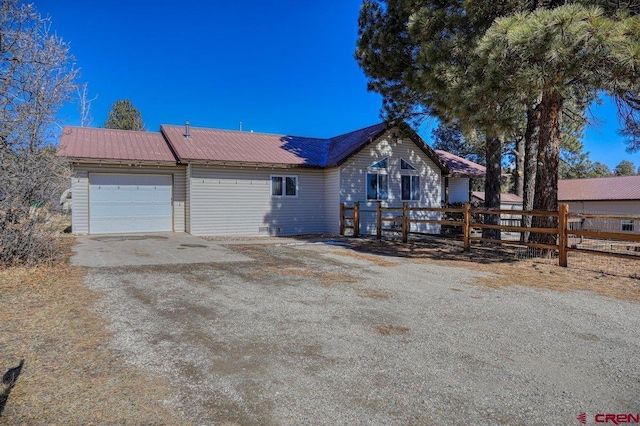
(121, 203)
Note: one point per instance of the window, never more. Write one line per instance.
(284, 186)
(377, 186)
(382, 164)
(627, 225)
(378, 181)
(410, 187)
(405, 165)
(409, 182)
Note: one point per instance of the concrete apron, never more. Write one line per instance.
(149, 249)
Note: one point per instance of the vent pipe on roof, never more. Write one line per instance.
(186, 130)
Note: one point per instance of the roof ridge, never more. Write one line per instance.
(601, 177)
(244, 132)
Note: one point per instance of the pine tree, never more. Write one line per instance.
(571, 52)
(625, 168)
(124, 116)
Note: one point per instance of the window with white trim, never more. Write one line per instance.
(409, 182)
(378, 180)
(627, 225)
(284, 186)
(410, 187)
(404, 165)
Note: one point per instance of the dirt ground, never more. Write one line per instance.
(72, 374)
(507, 269)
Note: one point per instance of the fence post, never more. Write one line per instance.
(342, 219)
(563, 212)
(466, 227)
(379, 220)
(356, 219)
(405, 222)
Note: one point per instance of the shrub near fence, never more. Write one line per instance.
(563, 235)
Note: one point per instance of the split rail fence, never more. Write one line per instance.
(469, 220)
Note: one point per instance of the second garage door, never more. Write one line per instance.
(124, 203)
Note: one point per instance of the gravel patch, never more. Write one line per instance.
(311, 334)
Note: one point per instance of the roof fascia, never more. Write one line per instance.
(416, 139)
(360, 148)
(113, 162)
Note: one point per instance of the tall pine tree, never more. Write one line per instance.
(124, 116)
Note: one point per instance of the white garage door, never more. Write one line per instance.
(120, 203)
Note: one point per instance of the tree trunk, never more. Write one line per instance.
(492, 184)
(548, 158)
(519, 154)
(531, 138)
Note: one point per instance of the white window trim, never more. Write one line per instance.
(373, 169)
(410, 183)
(284, 186)
(366, 184)
(624, 222)
(415, 170)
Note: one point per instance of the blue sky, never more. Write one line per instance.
(282, 67)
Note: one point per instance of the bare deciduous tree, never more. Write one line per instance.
(84, 105)
(37, 77)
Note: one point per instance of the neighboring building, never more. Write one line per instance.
(611, 195)
(219, 182)
(457, 186)
(507, 202)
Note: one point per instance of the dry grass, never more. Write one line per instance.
(324, 278)
(505, 269)
(372, 294)
(380, 261)
(70, 375)
(389, 329)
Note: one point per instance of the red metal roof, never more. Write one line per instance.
(609, 188)
(343, 146)
(245, 147)
(461, 167)
(504, 198)
(219, 146)
(112, 144)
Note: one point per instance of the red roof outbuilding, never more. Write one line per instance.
(598, 189)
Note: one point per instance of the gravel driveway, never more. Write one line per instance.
(319, 334)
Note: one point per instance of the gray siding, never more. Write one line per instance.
(332, 200)
(238, 201)
(80, 201)
(188, 204)
(622, 207)
(353, 175)
(80, 192)
(458, 190)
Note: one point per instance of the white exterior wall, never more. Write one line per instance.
(237, 201)
(623, 208)
(332, 200)
(80, 192)
(458, 190)
(353, 174)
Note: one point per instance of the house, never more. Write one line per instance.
(507, 202)
(457, 186)
(618, 196)
(211, 182)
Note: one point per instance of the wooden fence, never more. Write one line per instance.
(470, 220)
